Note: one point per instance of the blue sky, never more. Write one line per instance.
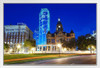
(81, 18)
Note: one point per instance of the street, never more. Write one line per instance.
(75, 60)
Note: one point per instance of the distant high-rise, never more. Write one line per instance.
(36, 36)
(44, 25)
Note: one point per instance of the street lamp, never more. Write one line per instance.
(10, 50)
(33, 49)
(18, 47)
(93, 48)
(59, 45)
(64, 49)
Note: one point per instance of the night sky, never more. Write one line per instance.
(81, 18)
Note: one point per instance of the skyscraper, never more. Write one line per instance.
(44, 25)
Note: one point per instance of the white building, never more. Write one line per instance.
(16, 35)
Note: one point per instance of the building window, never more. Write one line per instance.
(8, 40)
(23, 33)
(57, 28)
(16, 41)
(57, 40)
(48, 40)
(13, 40)
(67, 39)
(53, 40)
(48, 48)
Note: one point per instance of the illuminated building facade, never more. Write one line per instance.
(59, 35)
(16, 35)
(44, 25)
(53, 39)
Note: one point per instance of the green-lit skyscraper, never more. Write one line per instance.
(44, 25)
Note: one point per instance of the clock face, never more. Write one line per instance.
(59, 26)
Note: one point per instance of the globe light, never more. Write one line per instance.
(59, 45)
(23, 43)
(11, 42)
(58, 19)
(59, 26)
(18, 46)
(93, 47)
(64, 49)
(10, 50)
(32, 48)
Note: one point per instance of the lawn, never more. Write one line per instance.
(23, 61)
(18, 56)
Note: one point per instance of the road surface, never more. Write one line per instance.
(75, 60)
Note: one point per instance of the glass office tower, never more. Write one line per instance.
(44, 25)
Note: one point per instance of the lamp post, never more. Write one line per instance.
(93, 48)
(10, 50)
(18, 47)
(59, 45)
(64, 49)
(32, 50)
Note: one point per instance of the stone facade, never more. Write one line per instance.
(59, 35)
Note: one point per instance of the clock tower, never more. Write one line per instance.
(59, 26)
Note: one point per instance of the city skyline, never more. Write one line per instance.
(70, 13)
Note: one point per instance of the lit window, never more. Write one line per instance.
(67, 39)
(53, 40)
(48, 40)
(57, 40)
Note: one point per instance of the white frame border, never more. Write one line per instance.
(49, 1)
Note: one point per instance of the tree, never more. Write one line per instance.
(91, 47)
(81, 42)
(72, 43)
(88, 35)
(84, 41)
(64, 45)
(69, 44)
(30, 43)
(6, 47)
(61, 40)
(91, 42)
